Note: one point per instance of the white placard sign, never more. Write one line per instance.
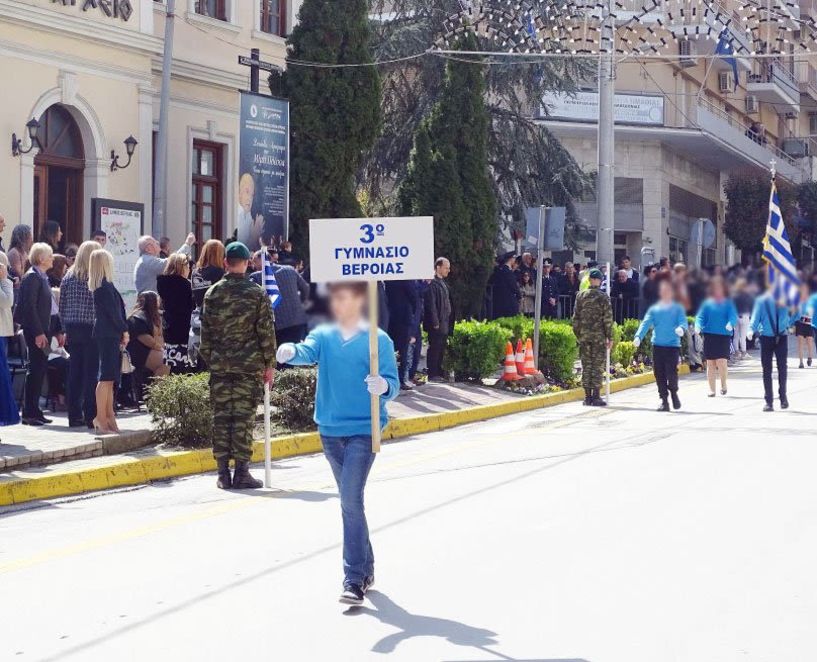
(398, 248)
(123, 227)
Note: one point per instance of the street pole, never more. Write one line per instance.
(606, 142)
(537, 312)
(160, 178)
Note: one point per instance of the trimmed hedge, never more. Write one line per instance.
(476, 349)
(558, 351)
(293, 397)
(520, 326)
(624, 353)
(179, 407)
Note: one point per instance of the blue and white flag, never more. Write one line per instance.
(268, 281)
(727, 53)
(782, 268)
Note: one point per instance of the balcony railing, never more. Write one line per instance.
(777, 72)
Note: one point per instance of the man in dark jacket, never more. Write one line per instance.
(38, 315)
(505, 287)
(624, 294)
(550, 291)
(401, 298)
(438, 318)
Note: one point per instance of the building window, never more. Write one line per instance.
(273, 17)
(212, 8)
(206, 190)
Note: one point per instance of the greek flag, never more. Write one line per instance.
(268, 281)
(782, 269)
(727, 53)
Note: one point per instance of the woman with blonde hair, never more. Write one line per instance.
(176, 295)
(110, 333)
(76, 305)
(209, 269)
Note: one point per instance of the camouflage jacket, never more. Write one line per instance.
(237, 329)
(593, 316)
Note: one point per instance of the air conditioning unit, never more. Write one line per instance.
(795, 147)
(791, 116)
(752, 105)
(726, 81)
(685, 54)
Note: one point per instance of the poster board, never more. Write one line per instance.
(122, 222)
(263, 178)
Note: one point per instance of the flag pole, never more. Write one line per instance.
(267, 439)
(374, 363)
(607, 387)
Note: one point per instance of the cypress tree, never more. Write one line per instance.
(334, 112)
(448, 178)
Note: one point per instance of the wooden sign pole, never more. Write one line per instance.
(374, 362)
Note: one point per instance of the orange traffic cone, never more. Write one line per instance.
(520, 358)
(530, 365)
(509, 373)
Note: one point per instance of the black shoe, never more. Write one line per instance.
(723, 391)
(596, 399)
(33, 421)
(588, 397)
(368, 582)
(44, 420)
(676, 401)
(89, 423)
(808, 362)
(784, 402)
(801, 366)
(664, 406)
(242, 480)
(352, 594)
(76, 423)
(768, 407)
(407, 386)
(225, 482)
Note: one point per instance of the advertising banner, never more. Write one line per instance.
(122, 222)
(584, 107)
(263, 178)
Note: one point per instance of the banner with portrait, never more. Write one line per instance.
(263, 177)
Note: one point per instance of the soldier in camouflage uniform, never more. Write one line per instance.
(238, 344)
(593, 326)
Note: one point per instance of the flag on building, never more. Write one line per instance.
(268, 281)
(782, 268)
(727, 53)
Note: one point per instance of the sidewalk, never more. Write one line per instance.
(81, 462)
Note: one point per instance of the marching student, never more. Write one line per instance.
(716, 319)
(803, 328)
(343, 415)
(668, 320)
(772, 322)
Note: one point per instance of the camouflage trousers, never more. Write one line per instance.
(234, 399)
(594, 362)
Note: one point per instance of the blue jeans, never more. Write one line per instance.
(351, 459)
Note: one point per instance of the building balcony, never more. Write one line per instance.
(777, 85)
(807, 78)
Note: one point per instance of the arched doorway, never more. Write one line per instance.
(58, 174)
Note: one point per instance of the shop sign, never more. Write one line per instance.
(121, 9)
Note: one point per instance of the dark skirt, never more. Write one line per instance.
(177, 358)
(803, 330)
(9, 414)
(717, 346)
(110, 359)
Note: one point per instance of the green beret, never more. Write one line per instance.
(596, 274)
(236, 250)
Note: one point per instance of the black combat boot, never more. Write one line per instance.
(596, 400)
(242, 480)
(588, 397)
(676, 401)
(664, 406)
(224, 480)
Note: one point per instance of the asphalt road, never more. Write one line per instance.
(567, 534)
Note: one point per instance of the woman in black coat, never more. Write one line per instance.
(111, 334)
(176, 293)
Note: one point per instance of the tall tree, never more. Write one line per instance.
(448, 178)
(747, 209)
(335, 111)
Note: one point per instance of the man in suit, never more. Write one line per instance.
(438, 318)
(401, 298)
(38, 315)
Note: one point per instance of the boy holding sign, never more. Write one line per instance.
(343, 415)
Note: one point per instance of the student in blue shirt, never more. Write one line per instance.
(804, 328)
(717, 319)
(668, 321)
(343, 415)
(771, 322)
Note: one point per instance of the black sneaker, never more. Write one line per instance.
(664, 406)
(44, 420)
(768, 407)
(784, 403)
(352, 594)
(32, 421)
(368, 582)
(676, 401)
(808, 362)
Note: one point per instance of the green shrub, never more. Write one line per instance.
(628, 328)
(623, 354)
(293, 397)
(558, 351)
(179, 407)
(476, 349)
(520, 326)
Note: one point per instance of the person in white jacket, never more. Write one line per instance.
(9, 415)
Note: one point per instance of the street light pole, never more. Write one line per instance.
(160, 178)
(606, 141)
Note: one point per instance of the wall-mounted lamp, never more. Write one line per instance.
(130, 147)
(33, 127)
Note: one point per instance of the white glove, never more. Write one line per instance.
(680, 331)
(729, 327)
(285, 353)
(376, 384)
(636, 342)
(697, 329)
(750, 334)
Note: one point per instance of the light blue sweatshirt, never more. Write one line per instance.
(763, 317)
(713, 317)
(342, 403)
(811, 309)
(663, 319)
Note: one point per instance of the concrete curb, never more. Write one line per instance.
(146, 466)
